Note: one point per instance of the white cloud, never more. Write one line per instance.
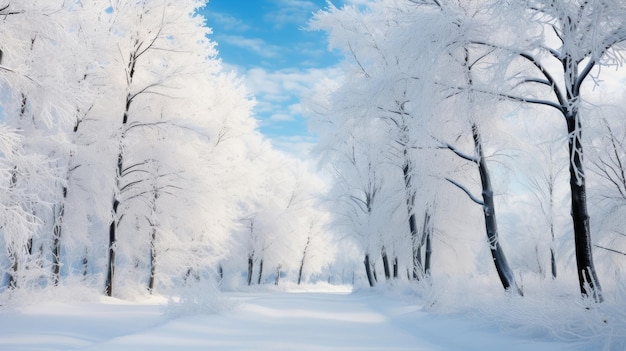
(291, 12)
(255, 45)
(281, 117)
(227, 22)
(299, 146)
(286, 82)
(278, 96)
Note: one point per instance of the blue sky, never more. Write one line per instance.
(265, 42)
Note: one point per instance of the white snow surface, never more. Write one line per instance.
(320, 319)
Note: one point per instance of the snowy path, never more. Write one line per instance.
(260, 321)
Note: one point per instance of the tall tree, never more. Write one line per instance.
(578, 36)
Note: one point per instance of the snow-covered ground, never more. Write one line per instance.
(258, 320)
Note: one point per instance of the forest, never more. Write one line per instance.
(477, 143)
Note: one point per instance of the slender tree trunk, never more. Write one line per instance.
(587, 277)
(278, 275)
(395, 267)
(153, 221)
(260, 272)
(429, 251)
(132, 63)
(250, 268)
(385, 263)
(306, 247)
(553, 263)
(410, 201)
(13, 255)
(497, 253)
(374, 272)
(85, 265)
(152, 260)
(108, 284)
(368, 270)
(56, 239)
(552, 240)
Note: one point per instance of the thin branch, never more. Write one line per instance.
(466, 191)
(611, 250)
(459, 153)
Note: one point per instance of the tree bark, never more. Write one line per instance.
(260, 272)
(368, 270)
(250, 268)
(410, 201)
(395, 267)
(278, 276)
(152, 260)
(108, 284)
(56, 239)
(306, 247)
(497, 253)
(385, 258)
(429, 251)
(587, 278)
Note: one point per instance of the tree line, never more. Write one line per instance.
(445, 104)
(131, 159)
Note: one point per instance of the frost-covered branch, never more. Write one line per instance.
(466, 191)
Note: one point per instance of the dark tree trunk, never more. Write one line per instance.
(587, 278)
(260, 272)
(153, 221)
(497, 253)
(410, 201)
(300, 272)
(368, 270)
(395, 267)
(13, 256)
(108, 285)
(152, 260)
(306, 247)
(385, 263)
(85, 265)
(553, 263)
(278, 276)
(56, 239)
(250, 268)
(132, 63)
(429, 251)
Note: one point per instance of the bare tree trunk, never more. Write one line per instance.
(278, 275)
(497, 253)
(306, 247)
(410, 201)
(108, 284)
(13, 256)
(429, 251)
(250, 268)
(587, 277)
(152, 260)
(385, 263)
(56, 239)
(553, 263)
(368, 270)
(260, 272)
(395, 267)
